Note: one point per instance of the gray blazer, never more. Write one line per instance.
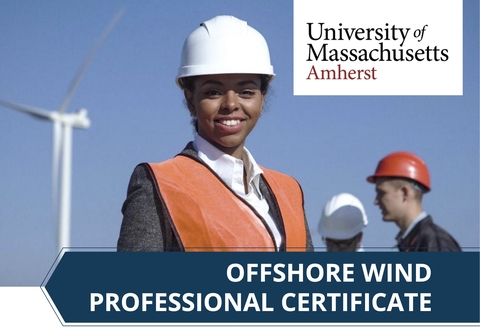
(146, 227)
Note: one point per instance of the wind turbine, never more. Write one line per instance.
(63, 123)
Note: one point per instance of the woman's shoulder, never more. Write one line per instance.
(282, 179)
(275, 173)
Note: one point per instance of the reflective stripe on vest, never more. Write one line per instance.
(208, 216)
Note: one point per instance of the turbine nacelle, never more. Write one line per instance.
(77, 119)
(81, 119)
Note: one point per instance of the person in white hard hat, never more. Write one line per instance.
(213, 196)
(342, 222)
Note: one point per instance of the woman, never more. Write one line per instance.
(213, 196)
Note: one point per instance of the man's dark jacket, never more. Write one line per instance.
(426, 236)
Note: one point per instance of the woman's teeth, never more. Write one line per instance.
(230, 122)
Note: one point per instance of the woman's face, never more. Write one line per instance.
(227, 108)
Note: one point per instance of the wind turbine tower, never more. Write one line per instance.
(63, 122)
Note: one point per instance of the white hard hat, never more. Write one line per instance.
(224, 45)
(343, 217)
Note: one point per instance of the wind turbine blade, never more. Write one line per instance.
(37, 112)
(81, 72)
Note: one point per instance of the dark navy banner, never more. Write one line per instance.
(375, 287)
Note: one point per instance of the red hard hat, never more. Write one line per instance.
(402, 164)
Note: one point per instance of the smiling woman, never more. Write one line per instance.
(213, 196)
(226, 108)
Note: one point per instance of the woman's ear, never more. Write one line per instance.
(189, 99)
(263, 103)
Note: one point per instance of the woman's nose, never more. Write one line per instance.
(230, 101)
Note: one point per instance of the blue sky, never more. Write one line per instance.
(328, 143)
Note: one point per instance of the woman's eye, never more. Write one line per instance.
(211, 93)
(247, 92)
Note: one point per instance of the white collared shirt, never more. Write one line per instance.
(230, 170)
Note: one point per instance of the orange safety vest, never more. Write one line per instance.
(209, 216)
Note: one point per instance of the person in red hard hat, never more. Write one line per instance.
(401, 180)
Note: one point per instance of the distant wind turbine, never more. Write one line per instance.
(63, 123)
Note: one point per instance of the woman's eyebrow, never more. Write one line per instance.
(241, 83)
(247, 82)
(211, 82)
